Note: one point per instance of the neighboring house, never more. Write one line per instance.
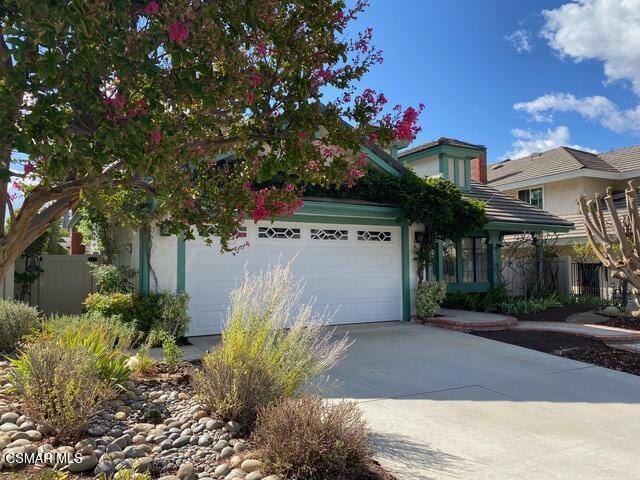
(555, 179)
(355, 258)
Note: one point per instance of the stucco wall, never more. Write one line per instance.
(426, 167)
(164, 262)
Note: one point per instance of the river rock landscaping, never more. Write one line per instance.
(154, 425)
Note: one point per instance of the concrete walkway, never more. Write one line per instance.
(464, 320)
(447, 405)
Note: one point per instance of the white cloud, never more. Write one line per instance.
(520, 40)
(527, 142)
(605, 30)
(596, 108)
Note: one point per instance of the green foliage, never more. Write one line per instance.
(515, 306)
(429, 297)
(583, 253)
(16, 320)
(171, 353)
(59, 387)
(580, 300)
(162, 311)
(131, 474)
(105, 340)
(435, 203)
(244, 76)
(314, 439)
(113, 278)
(478, 302)
(272, 346)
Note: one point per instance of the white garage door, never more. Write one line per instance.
(352, 270)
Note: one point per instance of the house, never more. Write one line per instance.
(554, 180)
(354, 257)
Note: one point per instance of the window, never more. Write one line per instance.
(278, 232)
(449, 262)
(474, 260)
(324, 234)
(533, 196)
(457, 171)
(462, 172)
(451, 165)
(370, 236)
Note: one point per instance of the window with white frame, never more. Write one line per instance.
(533, 196)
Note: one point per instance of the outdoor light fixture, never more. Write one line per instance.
(418, 237)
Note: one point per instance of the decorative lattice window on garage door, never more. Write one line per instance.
(327, 234)
(374, 236)
(278, 232)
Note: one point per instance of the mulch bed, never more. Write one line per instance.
(628, 323)
(569, 346)
(554, 314)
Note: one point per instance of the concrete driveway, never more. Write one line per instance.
(447, 405)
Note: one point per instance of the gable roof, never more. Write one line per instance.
(503, 208)
(452, 142)
(565, 160)
(624, 159)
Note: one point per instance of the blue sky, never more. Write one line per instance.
(472, 62)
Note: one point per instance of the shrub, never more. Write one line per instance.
(272, 345)
(428, 297)
(171, 352)
(165, 311)
(313, 439)
(516, 306)
(106, 340)
(113, 304)
(16, 320)
(479, 302)
(59, 386)
(113, 278)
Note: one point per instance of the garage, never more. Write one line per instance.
(353, 271)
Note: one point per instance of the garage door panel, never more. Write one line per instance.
(351, 280)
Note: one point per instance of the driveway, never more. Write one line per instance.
(448, 405)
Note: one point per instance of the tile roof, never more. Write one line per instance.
(551, 162)
(623, 159)
(440, 141)
(501, 207)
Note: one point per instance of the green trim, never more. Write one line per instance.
(447, 150)
(314, 207)
(444, 165)
(525, 227)
(494, 244)
(467, 176)
(406, 268)
(181, 272)
(380, 162)
(143, 263)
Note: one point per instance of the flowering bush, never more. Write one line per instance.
(428, 297)
(162, 117)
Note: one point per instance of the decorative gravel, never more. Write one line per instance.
(155, 425)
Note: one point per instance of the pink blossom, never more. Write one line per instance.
(256, 80)
(262, 48)
(260, 213)
(28, 168)
(152, 8)
(178, 32)
(289, 187)
(119, 101)
(250, 97)
(155, 137)
(189, 202)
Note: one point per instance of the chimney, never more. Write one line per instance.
(479, 168)
(77, 248)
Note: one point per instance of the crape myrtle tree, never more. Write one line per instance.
(197, 103)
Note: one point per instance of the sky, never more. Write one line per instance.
(517, 76)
